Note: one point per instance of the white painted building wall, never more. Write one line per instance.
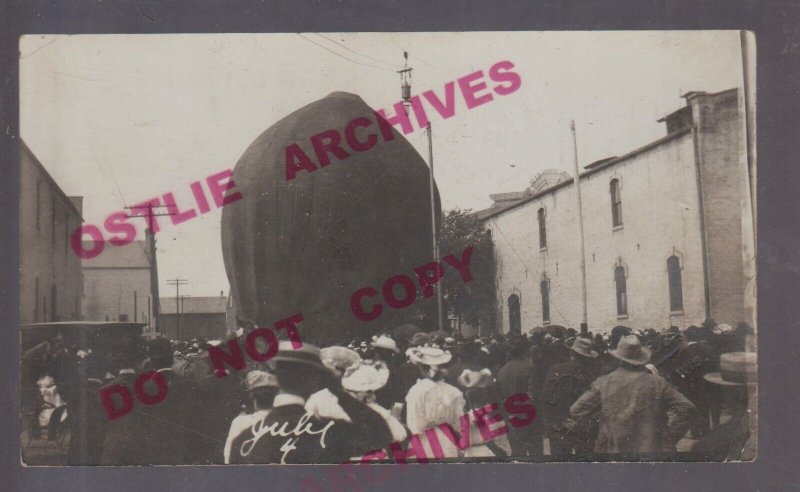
(661, 217)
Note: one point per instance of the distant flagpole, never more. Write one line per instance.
(579, 202)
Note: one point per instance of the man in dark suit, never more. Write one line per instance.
(169, 425)
(89, 419)
(125, 443)
(288, 434)
(513, 378)
(564, 384)
(214, 404)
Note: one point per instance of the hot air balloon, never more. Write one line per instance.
(305, 245)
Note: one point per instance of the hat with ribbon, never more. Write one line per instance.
(429, 356)
(630, 350)
(387, 343)
(338, 359)
(260, 379)
(735, 369)
(366, 375)
(583, 346)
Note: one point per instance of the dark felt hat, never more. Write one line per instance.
(307, 355)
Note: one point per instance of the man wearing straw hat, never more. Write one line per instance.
(736, 439)
(634, 404)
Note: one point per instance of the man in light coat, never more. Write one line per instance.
(640, 412)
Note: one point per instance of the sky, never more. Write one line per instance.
(119, 119)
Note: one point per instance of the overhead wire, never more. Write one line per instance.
(39, 48)
(344, 57)
(393, 65)
(90, 124)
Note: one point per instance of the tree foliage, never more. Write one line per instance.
(473, 302)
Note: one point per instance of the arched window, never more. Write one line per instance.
(514, 319)
(622, 290)
(544, 287)
(675, 287)
(542, 229)
(616, 203)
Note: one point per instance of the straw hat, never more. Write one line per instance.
(476, 379)
(338, 359)
(735, 369)
(583, 346)
(387, 343)
(365, 375)
(429, 356)
(630, 350)
(722, 329)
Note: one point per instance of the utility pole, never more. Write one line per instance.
(177, 282)
(584, 322)
(405, 93)
(438, 287)
(183, 309)
(151, 257)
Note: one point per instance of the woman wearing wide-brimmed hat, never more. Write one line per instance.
(633, 405)
(432, 401)
(362, 380)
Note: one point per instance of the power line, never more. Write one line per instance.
(39, 48)
(90, 125)
(358, 53)
(344, 57)
(177, 282)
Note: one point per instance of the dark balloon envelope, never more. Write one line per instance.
(307, 244)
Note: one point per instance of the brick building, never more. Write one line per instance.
(198, 317)
(50, 273)
(117, 285)
(667, 229)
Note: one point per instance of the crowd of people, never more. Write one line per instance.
(625, 395)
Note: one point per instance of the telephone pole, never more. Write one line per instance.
(151, 257)
(439, 308)
(405, 93)
(177, 282)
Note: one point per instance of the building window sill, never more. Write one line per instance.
(546, 322)
(622, 316)
(617, 228)
(679, 312)
(543, 250)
